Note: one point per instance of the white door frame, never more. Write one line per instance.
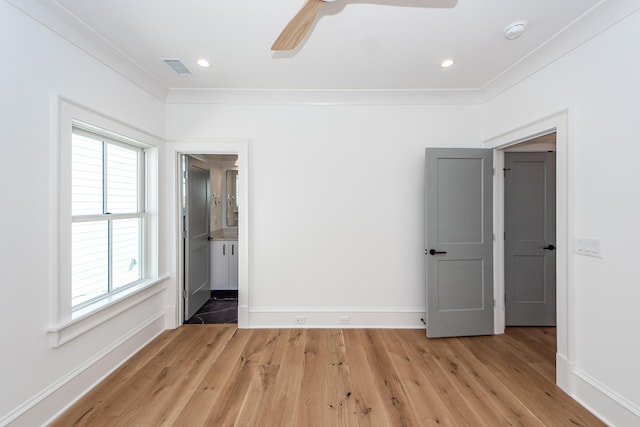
(239, 147)
(558, 123)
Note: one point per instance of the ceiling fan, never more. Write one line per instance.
(297, 29)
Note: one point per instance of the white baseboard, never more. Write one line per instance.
(331, 318)
(243, 317)
(606, 404)
(52, 401)
(564, 374)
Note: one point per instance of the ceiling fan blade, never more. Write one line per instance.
(298, 27)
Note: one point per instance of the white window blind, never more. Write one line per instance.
(108, 215)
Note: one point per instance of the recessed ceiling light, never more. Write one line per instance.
(447, 63)
(202, 62)
(515, 30)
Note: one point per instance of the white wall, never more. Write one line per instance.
(37, 380)
(336, 208)
(598, 84)
(336, 201)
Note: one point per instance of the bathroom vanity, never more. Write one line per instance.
(224, 264)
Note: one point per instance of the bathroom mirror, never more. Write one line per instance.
(232, 198)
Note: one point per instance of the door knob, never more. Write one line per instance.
(434, 252)
(550, 248)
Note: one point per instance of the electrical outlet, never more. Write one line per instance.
(588, 246)
(344, 320)
(300, 320)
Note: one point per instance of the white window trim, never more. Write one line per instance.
(66, 324)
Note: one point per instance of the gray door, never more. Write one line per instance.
(196, 241)
(459, 242)
(530, 233)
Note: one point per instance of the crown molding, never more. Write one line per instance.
(323, 97)
(57, 19)
(598, 19)
(595, 21)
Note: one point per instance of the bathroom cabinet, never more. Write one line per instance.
(224, 265)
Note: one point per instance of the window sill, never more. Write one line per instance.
(93, 315)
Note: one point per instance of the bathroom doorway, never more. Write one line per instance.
(201, 148)
(215, 262)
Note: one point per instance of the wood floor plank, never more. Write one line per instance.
(280, 406)
(210, 349)
(465, 385)
(421, 386)
(338, 382)
(260, 388)
(168, 380)
(546, 400)
(490, 392)
(217, 375)
(539, 351)
(522, 338)
(427, 361)
(325, 391)
(370, 409)
(311, 405)
(388, 385)
(197, 409)
(226, 409)
(98, 399)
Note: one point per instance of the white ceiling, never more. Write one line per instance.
(354, 44)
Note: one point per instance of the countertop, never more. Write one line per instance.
(220, 235)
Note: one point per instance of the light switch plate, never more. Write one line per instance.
(588, 246)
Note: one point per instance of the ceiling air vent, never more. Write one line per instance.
(177, 66)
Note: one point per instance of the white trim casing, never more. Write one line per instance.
(64, 113)
(110, 307)
(240, 147)
(597, 397)
(564, 279)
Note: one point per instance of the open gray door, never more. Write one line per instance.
(196, 236)
(530, 238)
(459, 242)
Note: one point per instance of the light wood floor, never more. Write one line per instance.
(217, 375)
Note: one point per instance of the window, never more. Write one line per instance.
(104, 232)
(108, 216)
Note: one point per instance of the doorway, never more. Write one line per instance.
(210, 213)
(199, 148)
(565, 305)
(555, 124)
(530, 232)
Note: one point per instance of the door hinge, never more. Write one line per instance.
(184, 294)
(504, 171)
(184, 234)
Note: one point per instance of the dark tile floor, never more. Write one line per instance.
(219, 309)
